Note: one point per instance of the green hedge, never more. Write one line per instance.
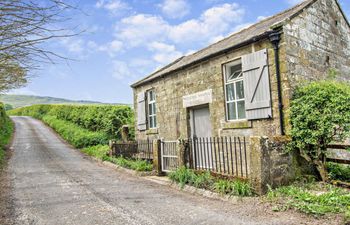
(6, 129)
(75, 135)
(102, 118)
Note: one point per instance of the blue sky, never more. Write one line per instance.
(126, 40)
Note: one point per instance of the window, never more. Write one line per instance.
(234, 91)
(152, 117)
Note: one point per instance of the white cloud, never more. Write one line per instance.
(175, 8)
(164, 53)
(112, 48)
(293, 2)
(259, 18)
(140, 29)
(22, 91)
(121, 70)
(216, 21)
(73, 45)
(115, 7)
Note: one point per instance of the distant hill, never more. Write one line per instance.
(26, 100)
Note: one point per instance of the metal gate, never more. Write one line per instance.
(169, 155)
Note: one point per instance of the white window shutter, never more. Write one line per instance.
(141, 111)
(257, 85)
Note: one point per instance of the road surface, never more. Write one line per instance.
(52, 183)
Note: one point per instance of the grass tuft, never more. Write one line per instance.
(184, 176)
(313, 198)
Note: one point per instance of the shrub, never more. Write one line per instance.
(6, 130)
(320, 114)
(338, 172)
(75, 135)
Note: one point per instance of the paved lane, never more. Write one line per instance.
(55, 184)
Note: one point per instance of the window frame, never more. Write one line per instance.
(233, 82)
(151, 103)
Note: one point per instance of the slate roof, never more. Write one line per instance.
(243, 36)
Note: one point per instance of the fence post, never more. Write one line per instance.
(181, 153)
(125, 133)
(157, 156)
(259, 169)
(111, 147)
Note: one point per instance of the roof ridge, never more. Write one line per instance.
(305, 4)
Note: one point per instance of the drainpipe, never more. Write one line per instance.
(275, 39)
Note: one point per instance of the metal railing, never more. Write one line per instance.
(223, 155)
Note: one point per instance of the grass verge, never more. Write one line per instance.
(184, 176)
(100, 152)
(312, 198)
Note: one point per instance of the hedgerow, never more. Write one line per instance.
(6, 129)
(75, 135)
(107, 119)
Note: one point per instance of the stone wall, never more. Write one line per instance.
(318, 40)
(173, 119)
(271, 164)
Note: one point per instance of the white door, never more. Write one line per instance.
(201, 132)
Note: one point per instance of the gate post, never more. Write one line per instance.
(157, 156)
(259, 160)
(181, 153)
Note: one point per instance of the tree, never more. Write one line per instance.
(8, 107)
(24, 26)
(320, 114)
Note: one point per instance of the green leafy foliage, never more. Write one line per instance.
(75, 135)
(6, 130)
(97, 151)
(205, 180)
(102, 118)
(8, 107)
(100, 152)
(315, 198)
(320, 114)
(338, 172)
(138, 165)
(233, 187)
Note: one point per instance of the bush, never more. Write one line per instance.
(338, 172)
(6, 130)
(320, 114)
(103, 118)
(75, 135)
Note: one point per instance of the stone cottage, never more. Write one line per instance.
(242, 85)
